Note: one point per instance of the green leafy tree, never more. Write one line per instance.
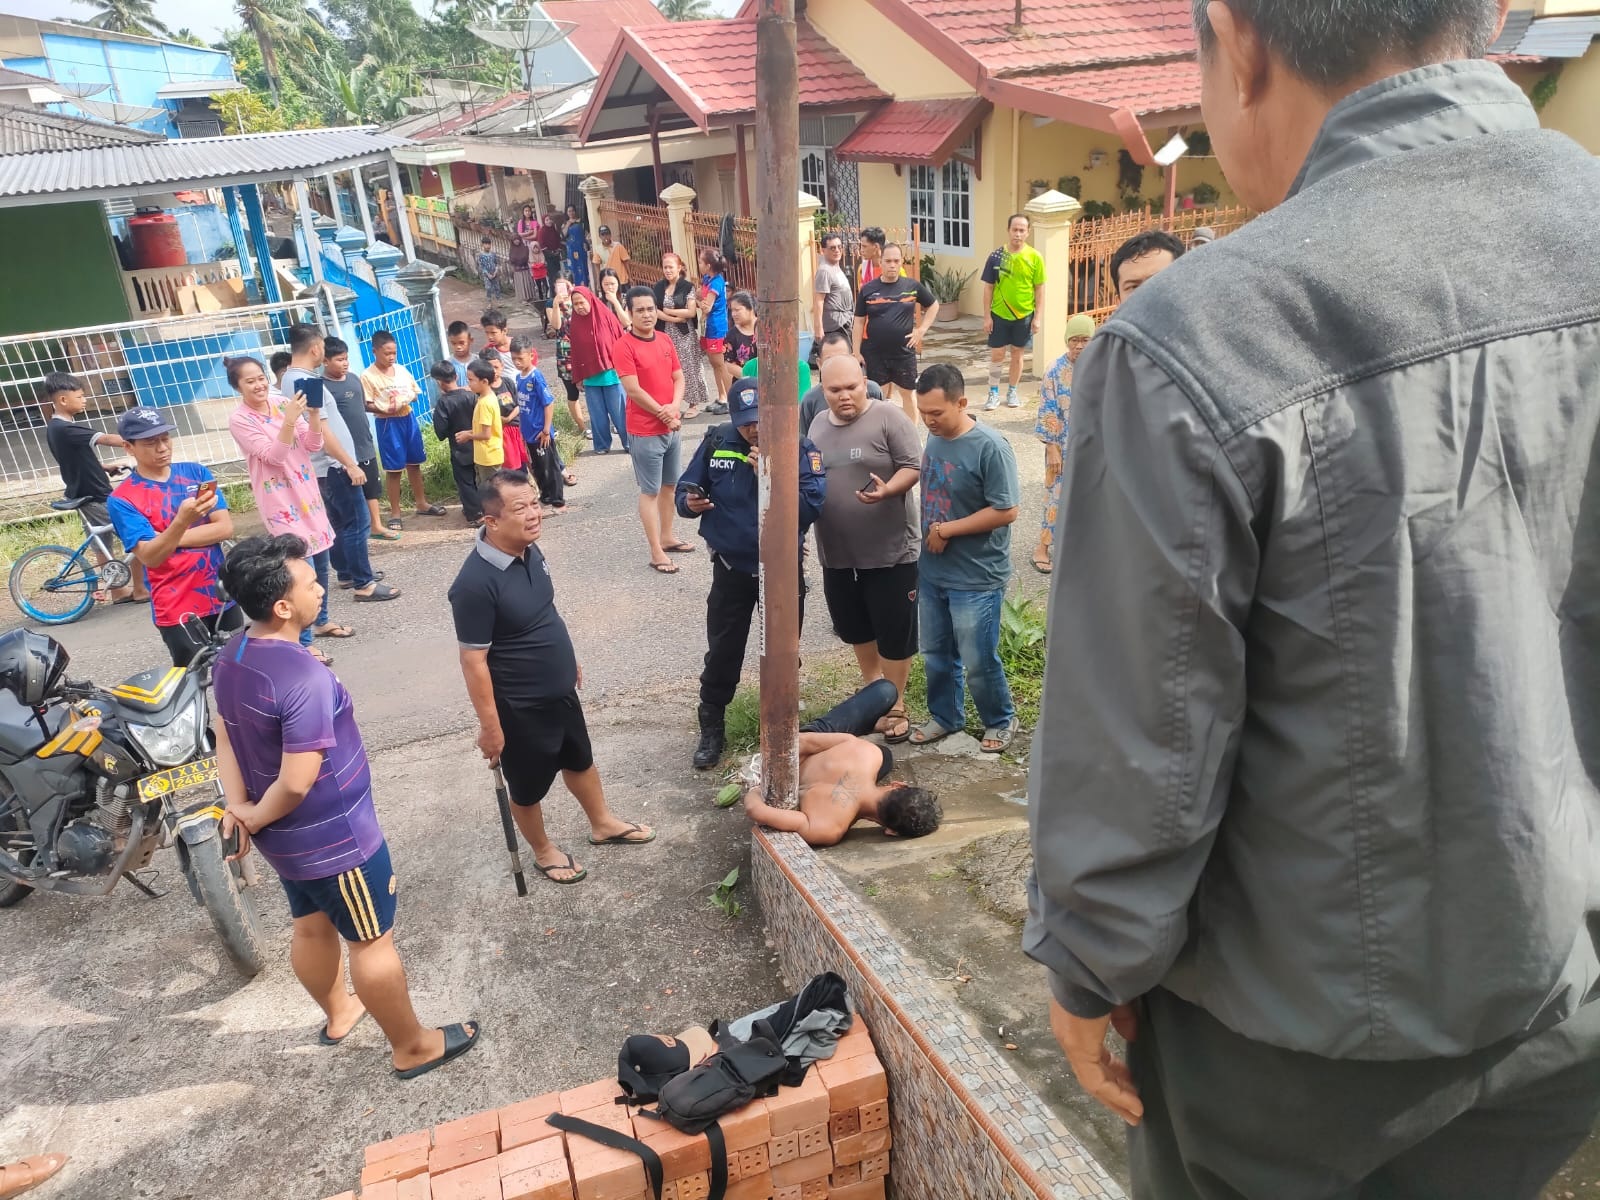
(187, 37)
(127, 16)
(686, 10)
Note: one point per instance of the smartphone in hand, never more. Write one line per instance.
(311, 389)
(206, 490)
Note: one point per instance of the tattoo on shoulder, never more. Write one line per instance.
(844, 792)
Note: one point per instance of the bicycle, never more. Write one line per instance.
(55, 585)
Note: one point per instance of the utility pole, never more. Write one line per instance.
(778, 303)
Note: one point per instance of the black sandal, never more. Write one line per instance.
(569, 865)
(624, 838)
(457, 1041)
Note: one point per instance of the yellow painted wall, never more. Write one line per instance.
(1054, 150)
(861, 34)
(1575, 108)
(1567, 8)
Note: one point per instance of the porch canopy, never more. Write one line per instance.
(914, 131)
(115, 172)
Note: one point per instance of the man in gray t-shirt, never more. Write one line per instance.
(814, 401)
(835, 306)
(867, 536)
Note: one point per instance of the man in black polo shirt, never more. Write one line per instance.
(887, 329)
(523, 676)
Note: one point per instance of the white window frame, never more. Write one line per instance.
(815, 187)
(942, 202)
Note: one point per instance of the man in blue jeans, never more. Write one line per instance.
(969, 500)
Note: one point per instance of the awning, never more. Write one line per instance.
(914, 131)
(197, 89)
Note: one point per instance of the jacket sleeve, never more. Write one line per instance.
(1144, 687)
(257, 443)
(697, 473)
(813, 484)
(441, 423)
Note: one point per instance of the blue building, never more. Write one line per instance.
(92, 69)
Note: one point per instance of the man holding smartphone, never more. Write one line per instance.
(719, 488)
(172, 518)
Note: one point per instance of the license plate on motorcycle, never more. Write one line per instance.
(164, 783)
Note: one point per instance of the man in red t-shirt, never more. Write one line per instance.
(652, 379)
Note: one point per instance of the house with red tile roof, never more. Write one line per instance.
(943, 115)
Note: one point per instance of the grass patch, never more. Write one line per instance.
(17, 538)
(822, 685)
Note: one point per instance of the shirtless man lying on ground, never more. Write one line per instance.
(843, 779)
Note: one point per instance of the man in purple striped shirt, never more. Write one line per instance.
(296, 779)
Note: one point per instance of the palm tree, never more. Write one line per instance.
(271, 23)
(127, 16)
(685, 10)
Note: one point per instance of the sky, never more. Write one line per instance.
(207, 18)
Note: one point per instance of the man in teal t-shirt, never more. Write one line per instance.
(1013, 290)
(970, 495)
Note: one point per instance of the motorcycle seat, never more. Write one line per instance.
(149, 691)
(69, 505)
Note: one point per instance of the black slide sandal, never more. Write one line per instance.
(457, 1041)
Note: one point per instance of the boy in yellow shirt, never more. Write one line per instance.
(488, 432)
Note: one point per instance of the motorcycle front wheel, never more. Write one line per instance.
(19, 841)
(231, 909)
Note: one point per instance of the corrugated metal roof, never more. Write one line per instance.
(21, 79)
(1511, 34)
(32, 130)
(1560, 37)
(194, 162)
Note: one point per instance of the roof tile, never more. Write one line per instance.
(1143, 87)
(912, 130)
(599, 22)
(1063, 33)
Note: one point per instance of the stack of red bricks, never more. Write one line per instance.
(827, 1139)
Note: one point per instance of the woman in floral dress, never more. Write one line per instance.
(278, 437)
(1055, 403)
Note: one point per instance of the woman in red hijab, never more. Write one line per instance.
(595, 329)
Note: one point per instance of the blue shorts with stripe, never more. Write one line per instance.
(360, 902)
(400, 443)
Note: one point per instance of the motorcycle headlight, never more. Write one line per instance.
(173, 744)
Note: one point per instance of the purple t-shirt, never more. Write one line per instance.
(274, 697)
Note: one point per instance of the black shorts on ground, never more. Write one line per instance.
(1016, 333)
(878, 605)
(542, 740)
(898, 367)
(183, 648)
(360, 902)
(372, 489)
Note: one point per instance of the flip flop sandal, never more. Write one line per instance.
(380, 591)
(131, 600)
(19, 1177)
(569, 865)
(347, 585)
(325, 659)
(324, 1039)
(665, 568)
(334, 630)
(681, 548)
(895, 716)
(1044, 566)
(928, 734)
(1001, 734)
(622, 839)
(395, 524)
(570, 479)
(457, 1041)
(433, 510)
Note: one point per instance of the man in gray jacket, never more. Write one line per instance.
(1315, 816)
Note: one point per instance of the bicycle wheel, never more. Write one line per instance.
(52, 585)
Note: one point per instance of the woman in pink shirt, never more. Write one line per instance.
(278, 436)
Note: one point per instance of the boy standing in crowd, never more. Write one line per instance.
(452, 425)
(969, 500)
(172, 518)
(83, 475)
(537, 403)
(459, 335)
(296, 780)
(345, 391)
(390, 391)
(487, 434)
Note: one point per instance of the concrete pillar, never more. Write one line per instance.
(497, 189)
(679, 201)
(362, 210)
(556, 181)
(332, 181)
(809, 205)
(342, 321)
(311, 243)
(398, 187)
(541, 192)
(594, 190)
(385, 260)
(1052, 215)
(421, 282)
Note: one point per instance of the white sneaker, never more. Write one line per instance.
(1012, 399)
(993, 402)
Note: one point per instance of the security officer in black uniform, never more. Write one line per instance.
(719, 487)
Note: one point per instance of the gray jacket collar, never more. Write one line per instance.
(492, 554)
(1429, 106)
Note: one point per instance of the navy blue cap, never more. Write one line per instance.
(138, 423)
(743, 406)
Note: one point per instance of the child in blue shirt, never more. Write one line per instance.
(537, 403)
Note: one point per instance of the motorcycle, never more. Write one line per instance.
(93, 781)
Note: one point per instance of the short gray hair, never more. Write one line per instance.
(1331, 42)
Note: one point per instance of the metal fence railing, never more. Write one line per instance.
(175, 364)
(645, 230)
(414, 335)
(1095, 242)
(705, 230)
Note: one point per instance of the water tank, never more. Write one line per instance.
(156, 240)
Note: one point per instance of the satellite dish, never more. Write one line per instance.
(81, 91)
(119, 114)
(525, 36)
